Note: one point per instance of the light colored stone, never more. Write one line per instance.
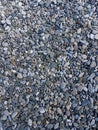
(92, 36)
(96, 36)
(79, 31)
(8, 22)
(41, 110)
(20, 4)
(39, 0)
(84, 56)
(56, 126)
(93, 64)
(68, 106)
(30, 122)
(81, 74)
(2, 90)
(85, 88)
(19, 75)
(93, 122)
(59, 111)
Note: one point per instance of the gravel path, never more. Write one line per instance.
(48, 64)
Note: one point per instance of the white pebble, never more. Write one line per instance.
(92, 36)
(30, 122)
(84, 56)
(79, 31)
(96, 36)
(20, 4)
(39, 0)
(42, 110)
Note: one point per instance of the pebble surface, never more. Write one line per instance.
(48, 64)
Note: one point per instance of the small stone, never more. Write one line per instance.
(84, 56)
(85, 42)
(85, 103)
(95, 31)
(81, 74)
(93, 122)
(4, 117)
(93, 64)
(41, 110)
(30, 122)
(20, 4)
(39, 0)
(92, 76)
(96, 119)
(56, 126)
(63, 85)
(50, 126)
(79, 31)
(2, 90)
(5, 44)
(3, 21)
(6, 112)
(85, 88)
(96, 36)
(68, 106)
(14, 114)
(59, 111)
(80, 8)
(72, 39)
(19, 75)
(8, 22)
(92, 36)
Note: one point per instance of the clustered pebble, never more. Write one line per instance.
(48, 64)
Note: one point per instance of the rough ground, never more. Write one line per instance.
(48, 64)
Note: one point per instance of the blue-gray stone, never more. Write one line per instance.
(85, 103)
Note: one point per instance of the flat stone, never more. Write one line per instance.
(19, 75)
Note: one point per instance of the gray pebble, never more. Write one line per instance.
(85, 103)
(41, 110)
(19, 75)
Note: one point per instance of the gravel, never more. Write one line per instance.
(48, 64)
